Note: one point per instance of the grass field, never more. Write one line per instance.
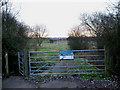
(47, 46)
(58, 45)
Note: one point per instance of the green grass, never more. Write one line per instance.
(47, 76)
(46, 46)
(58, 45)
(92, 77)
(82, 63)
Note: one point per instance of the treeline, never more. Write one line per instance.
(14, 38)
(106, 28)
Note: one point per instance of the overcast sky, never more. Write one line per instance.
(59, 16)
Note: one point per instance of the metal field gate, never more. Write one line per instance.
(49, 63)
(21, 62)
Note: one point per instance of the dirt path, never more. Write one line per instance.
(57, 82)
(19, 82)
(59, 68)
(16, 82)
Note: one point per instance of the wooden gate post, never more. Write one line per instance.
(26, 62)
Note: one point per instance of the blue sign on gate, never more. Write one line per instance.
(66, 54)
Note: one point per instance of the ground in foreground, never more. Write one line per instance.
(57, 82)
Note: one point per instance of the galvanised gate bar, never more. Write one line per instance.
(21, 62)
(49, 62)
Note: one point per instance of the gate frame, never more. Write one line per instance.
(58, 56)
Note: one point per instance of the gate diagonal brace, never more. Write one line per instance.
(44, 65)
(88, 63)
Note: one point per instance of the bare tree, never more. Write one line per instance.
(75, 32)
(94, 23)
(79, 31)
(76, 39)
(39, 32)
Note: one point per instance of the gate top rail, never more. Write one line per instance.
(88, 50)
(71, 50)
(42, 51)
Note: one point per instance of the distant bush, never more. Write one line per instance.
(51, 41)
(78, 43)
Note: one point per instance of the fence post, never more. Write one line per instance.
(26, 62)
(107, 66)
(6, 65)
